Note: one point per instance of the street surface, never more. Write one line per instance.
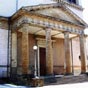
(76, 85)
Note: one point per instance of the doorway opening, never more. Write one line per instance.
(42, 55)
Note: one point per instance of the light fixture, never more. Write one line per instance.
(35, 65)
(35, 47)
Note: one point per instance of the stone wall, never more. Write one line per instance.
(76, 54)
(3, 52)
(3, 46)
(58, 56)
(86, 47)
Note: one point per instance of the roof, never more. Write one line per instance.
(2, 18)
(56, 10)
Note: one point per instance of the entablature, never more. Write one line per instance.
(49, 22)
(3, 22)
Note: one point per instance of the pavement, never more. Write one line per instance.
(62, 82)
(11, 86)
(76, 85)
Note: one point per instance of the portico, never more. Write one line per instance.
(44, 31)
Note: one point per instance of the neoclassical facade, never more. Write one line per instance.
(56, 30)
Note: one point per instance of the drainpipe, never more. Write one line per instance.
(9, 51)
(16, 5)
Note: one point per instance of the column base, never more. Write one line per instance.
(13, 72)
(50, 78)
(83, 73)
(66, 74)
(37, 82)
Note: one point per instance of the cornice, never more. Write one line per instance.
(70, 4)
(37, 20)
(3, 22)
(45, 17)
(3, 18)
(22, 12)
(54, 5)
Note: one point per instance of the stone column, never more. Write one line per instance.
(14, 53)
(82, 53)
(67, 53)
(49, 54)
(25, 51)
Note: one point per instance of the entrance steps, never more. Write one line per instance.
(50, 79)
(65, 79)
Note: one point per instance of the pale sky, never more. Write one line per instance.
(8, 7)
(85, 13)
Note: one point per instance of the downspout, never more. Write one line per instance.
(16, 5)
(9, 51)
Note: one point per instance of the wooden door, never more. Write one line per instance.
(42, 52)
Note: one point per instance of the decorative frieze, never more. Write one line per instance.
(50, 24)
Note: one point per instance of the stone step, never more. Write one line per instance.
(50, 79)
(68, 79)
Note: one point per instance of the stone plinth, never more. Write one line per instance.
(37, 82)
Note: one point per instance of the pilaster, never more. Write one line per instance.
(14, 54)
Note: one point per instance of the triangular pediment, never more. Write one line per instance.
(58, 13)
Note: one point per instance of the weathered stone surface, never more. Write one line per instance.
(37, 82)
(4, 23)
(49, 53)
(67, 53)
(3, 52)
(14, 50)
(82, 54)
(25, 52)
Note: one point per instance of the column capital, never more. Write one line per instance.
(24, 29)
(48, 29)
(66, 34)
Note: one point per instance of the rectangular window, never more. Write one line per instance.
(72, 1)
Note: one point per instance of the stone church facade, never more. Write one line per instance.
(56, 29)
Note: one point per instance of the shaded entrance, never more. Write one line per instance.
(42, 52)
